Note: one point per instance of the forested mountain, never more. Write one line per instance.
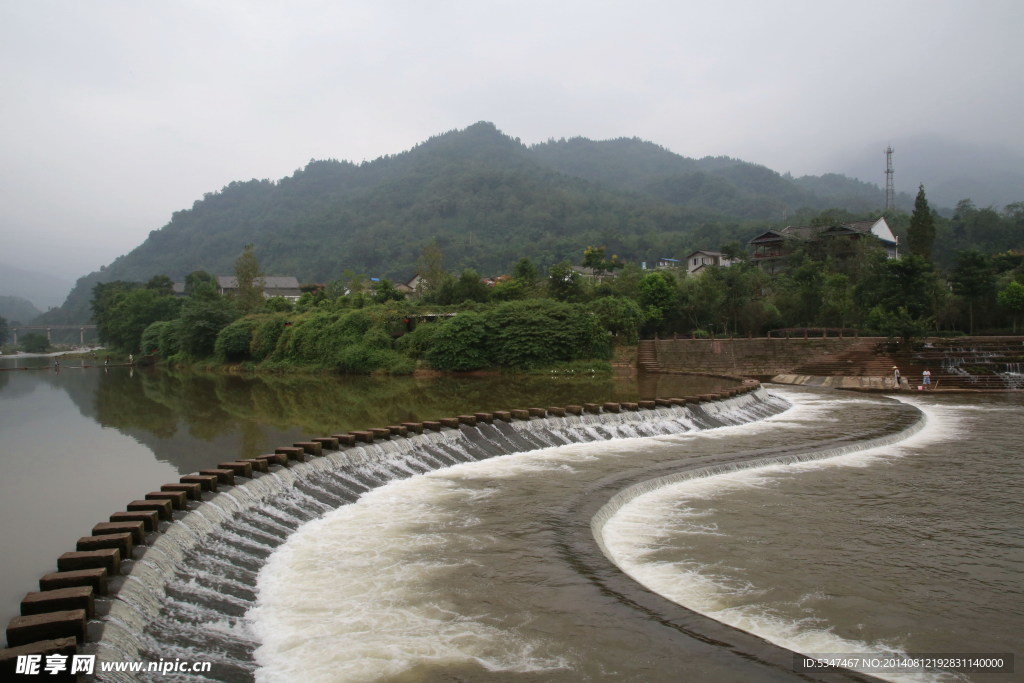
(487, 200)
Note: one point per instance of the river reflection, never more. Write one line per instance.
(80, 443)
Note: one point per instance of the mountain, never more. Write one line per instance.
(487, 200)
(41, 290)
(17, 309)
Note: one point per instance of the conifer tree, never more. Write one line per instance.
(921, 233)
(250, 281)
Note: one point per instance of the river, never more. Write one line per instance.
(492, 570)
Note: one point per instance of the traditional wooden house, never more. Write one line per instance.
(770, 248)
(286, 287)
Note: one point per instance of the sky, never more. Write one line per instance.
(115, 114)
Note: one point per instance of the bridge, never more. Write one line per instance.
(81, 331)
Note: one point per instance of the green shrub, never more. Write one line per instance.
(265, 335)
(232, 345)
(536, 333)
(460, 343)
(170, 339)
(151, 337)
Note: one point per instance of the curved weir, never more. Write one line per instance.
(197, 591)
(186, 595)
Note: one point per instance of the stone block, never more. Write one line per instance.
(179, 499)
(149, 518)
(292, 453)
(381, 433)
(450, 422)
(134, 527)
(207, 481)
(327, 443)
(432, 425)
(226, 477)
(520, 414)
(414, 427)
(484, 417)
(192, 490)
(574, 410)
(161, 507)
(538, 412)
(310, 447)
(239, 468)
(65, 647)
(503, 415)
(592, 408)
(557, 412)
(121, 541)
(106, 558)
(611, 407)
(258, 465)
(95, 577)
(398, 430)
(60, 600)
(469, 420)
(273, 458)
(29, 629)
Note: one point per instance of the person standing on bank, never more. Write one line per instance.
(896, 376)
(926, 379)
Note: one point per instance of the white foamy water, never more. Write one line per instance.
(372, 589)
(663, 540)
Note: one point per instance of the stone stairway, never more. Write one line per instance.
(866, 358)
(979, 363)
(647, 356)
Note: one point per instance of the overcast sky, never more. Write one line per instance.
(117, 113)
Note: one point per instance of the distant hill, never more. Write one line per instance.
(488, 200)
(42, 290)
(17, 309)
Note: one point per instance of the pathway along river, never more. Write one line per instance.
(493, 571)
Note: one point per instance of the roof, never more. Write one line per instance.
(269, 282)
(879, 228)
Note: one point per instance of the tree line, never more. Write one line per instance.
(532, 319)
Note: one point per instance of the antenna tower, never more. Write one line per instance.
(890, 192)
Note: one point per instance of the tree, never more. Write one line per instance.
(594, 258)
(1011, 297)
(564, 283)
(659, 297)
(199, 279)
(34, 342)
(384, 290)
(430, 266)
(921, 233)
(973, 278)
(4, 333)
(250, 283)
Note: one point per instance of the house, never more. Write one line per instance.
(770, 248)
(284, 286)
(699, 260)
(660, 264)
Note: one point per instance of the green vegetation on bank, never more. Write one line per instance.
(527, 321)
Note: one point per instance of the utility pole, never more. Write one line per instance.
(890, 192)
